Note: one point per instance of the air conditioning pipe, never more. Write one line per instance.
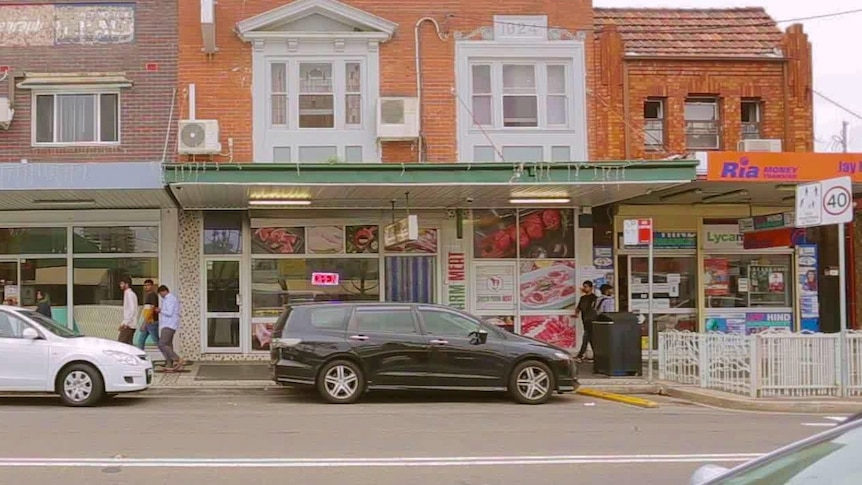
(442, 37)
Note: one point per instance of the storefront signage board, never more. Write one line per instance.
(495, 286)
(756, 322)
(767, 222)
(401, 231)
(722, 237)
(456, 280)
(782, 167)
(669, 240)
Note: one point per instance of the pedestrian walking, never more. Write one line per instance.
(151, 314)
(43, 303)
(606, 302)
(169, 323)
(129, 325)
(586, 309)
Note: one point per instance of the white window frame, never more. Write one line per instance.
(650, 143)
(758, 122)
(59, 91)
(573, 135)
(716, 106)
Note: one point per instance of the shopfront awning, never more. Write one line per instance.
(87, 185)
(433, 185)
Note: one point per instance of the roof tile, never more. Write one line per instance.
(735, 32)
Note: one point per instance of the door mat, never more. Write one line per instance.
(233, 372)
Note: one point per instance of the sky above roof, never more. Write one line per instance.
(837, 64)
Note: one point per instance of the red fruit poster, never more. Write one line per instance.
(716, 277)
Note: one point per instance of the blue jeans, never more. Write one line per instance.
(149, 329)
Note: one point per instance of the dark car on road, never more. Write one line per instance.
(346, 349)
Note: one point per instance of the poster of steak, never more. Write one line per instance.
(547, 285)
(495, 234)
(547, 233)
(557, 330)
(278, 240)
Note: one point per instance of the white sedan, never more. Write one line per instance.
(38, 354)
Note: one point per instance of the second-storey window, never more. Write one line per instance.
(654, 124)
(81, 118)
(520, 94)
(315, 94)
(751, 119)
(702, 124)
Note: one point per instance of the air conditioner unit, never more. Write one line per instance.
(198, 137)
(397, 119)
(6, 114)
(759, 146)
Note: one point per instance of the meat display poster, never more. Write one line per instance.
(558, 330)
(495, 234)
(716, 277)
(546, 233)
(495, 286)
(505, 322)
(278, 240)
(547, 285)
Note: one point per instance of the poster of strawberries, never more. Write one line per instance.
(547, 233)
(557, 330)
(362, 239)
(278, 240)
(495, 234)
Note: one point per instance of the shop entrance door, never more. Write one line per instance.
(9, 287)
(222, 328)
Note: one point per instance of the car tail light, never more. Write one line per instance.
(278, 343)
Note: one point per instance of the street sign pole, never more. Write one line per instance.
(842, 308)
(649, 301)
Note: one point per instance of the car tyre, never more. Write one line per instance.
(81, 385)
(532, 382)
(341, 382)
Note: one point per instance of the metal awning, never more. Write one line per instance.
(771, 194)
(349, 186)
(37, 80)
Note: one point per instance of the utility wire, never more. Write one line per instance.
(838, 105)
(711, 28)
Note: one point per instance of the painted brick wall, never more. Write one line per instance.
(223, 81)
(145, 107)
(783, 86)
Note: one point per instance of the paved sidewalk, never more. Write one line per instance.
(709, 397)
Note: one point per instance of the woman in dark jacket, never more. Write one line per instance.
(43, 303)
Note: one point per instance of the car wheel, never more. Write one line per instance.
(341, 382)
(532, 382)
(80, 385)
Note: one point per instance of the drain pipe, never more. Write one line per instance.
(442, 37)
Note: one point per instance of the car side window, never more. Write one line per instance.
(385, 321)
(332, 318)
(446, 324)
(11, 326)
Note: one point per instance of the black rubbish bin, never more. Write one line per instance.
(617, 345)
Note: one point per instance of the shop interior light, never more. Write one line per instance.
(727, 195)
(555, 200)
(277, 202)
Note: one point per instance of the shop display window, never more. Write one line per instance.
(33, 240)
(674, 283)
(748, 281)
(223, 232)
(117, 239)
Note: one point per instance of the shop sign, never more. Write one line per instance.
(52, 25)
(456, 281)
(495, 286)
(324, 279)
(767, 222)
(782, 167)
(401, 231)
(756, 322)
(722, 237)
(725, 323)
(670, 240)
(776, 238)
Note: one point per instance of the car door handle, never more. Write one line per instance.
(439, 342)
(359, 337)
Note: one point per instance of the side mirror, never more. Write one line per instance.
(30, 334)
(479, 337)
(707, 473)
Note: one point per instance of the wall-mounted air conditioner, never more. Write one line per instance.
(6, 114)
(759, 145)
(397, 119)
(198, 137)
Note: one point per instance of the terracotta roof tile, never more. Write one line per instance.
(736, 32)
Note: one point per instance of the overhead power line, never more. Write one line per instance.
(838, 105)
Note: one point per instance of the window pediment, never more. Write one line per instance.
(316, 19)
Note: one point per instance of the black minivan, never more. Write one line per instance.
(345, 349)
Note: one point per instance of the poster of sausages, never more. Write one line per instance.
(547, 233)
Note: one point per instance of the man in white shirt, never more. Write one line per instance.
(129, 325)
(169, 323)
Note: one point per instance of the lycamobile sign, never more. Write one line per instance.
(724, 236)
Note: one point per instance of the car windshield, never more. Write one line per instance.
(50, 325)
(833, 460)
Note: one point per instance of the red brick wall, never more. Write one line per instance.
(223, 81)
(783, 86)
(145, 107)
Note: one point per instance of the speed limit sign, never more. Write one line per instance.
(824, 203)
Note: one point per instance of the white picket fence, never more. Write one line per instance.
(769, 364)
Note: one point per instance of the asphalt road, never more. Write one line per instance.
(385, 440)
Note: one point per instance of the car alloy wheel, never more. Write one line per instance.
(341, 382)
(78, 386)
(532, 383)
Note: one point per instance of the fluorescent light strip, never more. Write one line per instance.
(540, 201)
(263, 202)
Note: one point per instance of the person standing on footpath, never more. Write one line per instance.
(586, 309)
(129, 325)
(169, 323)
(151, 314)
(43, 303)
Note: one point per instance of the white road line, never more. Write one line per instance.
(835, 421)
(368, 462)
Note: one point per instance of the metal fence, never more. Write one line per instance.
(768, 364)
